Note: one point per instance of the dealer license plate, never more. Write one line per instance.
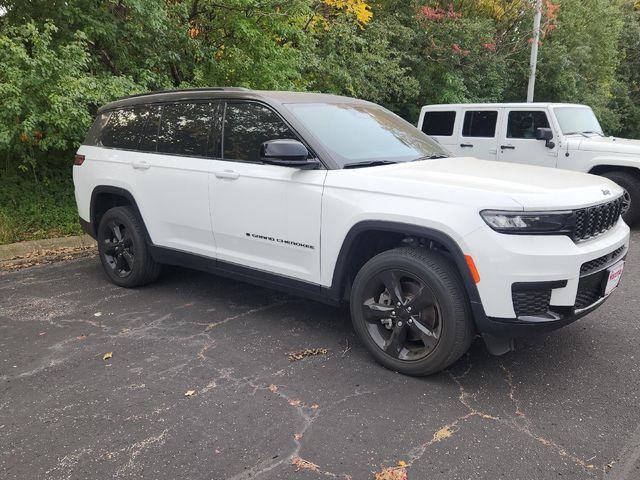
(615, 272)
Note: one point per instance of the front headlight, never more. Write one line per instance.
(528, 222)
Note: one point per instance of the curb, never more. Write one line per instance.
(20, 249)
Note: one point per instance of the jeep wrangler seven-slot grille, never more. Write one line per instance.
(594, 221)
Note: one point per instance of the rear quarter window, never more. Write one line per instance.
(94, 133)
(439, 123)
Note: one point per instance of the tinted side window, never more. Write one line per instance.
(246, 126)
(479, 124)
(523, 124)
(123, 128)
(184, 128)
(149, 134)
(439, 123)
(94, 133)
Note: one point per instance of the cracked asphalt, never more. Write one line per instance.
(564, 404)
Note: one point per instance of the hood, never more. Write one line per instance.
(610, 145)
(488, 184)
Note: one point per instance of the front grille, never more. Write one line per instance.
(593, 221)
(596, 264)
(589, 289)
(528, 303)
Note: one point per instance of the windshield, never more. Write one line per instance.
(577, 120)
(365, 133)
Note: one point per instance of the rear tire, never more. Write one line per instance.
(631, 184)
(123, 249)
(415, 341)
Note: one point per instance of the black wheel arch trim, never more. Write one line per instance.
(338, 279)
(90, 226)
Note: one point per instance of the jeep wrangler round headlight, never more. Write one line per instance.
(528, 222)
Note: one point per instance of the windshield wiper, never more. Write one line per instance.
(433, 156)
(584, 134)
(368, 163)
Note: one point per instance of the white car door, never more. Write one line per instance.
(518, 142)
(264, 216)
(171, 177)
(478, 135)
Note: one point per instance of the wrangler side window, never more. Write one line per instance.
(523, 124)
(480, 123)
(247, 126)
(439, 123)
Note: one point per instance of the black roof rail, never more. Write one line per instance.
(180, 90)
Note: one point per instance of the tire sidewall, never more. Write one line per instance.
(450, 311)
(632, 185)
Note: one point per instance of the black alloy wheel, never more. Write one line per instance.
(124, 250)
(411, 311)
(118, 249)
(402, 314)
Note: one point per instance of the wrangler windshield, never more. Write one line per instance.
(365, 134)
(577, 120)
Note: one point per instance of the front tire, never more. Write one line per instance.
(123, 249)
(410, 309)
(631, 185)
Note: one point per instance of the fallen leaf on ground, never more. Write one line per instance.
(307, 352)
(402, 463)
(295, 403)
(189, 393)
(297, 436)
(392, 473)
(302, 464)
(444, 432)
(107, 356)
(273, 388)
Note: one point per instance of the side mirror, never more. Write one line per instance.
(287, 153)
(545, 134)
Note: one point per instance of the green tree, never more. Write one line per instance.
(48, 93)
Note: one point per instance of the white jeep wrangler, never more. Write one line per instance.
(341, 200)
(557, 135)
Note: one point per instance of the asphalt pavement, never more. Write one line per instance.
(564, 405)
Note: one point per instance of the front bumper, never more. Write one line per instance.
(531, 284)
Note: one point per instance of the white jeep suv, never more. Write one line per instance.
(338, 200)
(558, 135)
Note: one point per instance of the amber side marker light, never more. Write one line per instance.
(78, 160)
(472, 268)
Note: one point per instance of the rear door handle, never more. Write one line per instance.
(228, 175)
(140, 165)
(507, 147)
(465, 145)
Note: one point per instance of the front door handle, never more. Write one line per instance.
(466, 145)
(227, 175)
(507, 147)
(140, 165)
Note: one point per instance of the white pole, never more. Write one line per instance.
(534, 51)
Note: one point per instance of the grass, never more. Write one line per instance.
(32, 210)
